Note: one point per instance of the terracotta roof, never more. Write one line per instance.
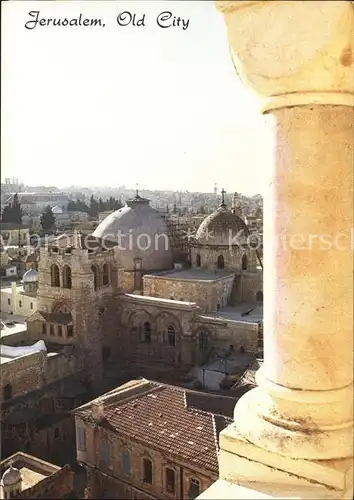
(159, 416)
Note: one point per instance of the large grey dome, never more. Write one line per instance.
(221, 228)
(138, 232)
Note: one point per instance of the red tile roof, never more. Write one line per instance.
(160, 417)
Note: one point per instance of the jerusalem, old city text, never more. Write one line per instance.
(165, 19)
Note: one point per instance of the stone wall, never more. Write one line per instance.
(200, 292)
(24, 374)
(34, 371)
(14, 301)
(32, 419)
(251, 283)
(223, 333)
(57, 485)
(232, 257)
(16, 339)
(208, 295)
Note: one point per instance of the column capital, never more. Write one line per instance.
(293, 53)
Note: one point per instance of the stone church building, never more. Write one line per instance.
(125, 294)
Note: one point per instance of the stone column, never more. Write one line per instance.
(297, 56)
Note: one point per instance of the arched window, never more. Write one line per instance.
(221, 263)
(105, 275)
(147, 332)
(96, 277)
(203, 340)
(66, 277)
(171, 336)
(259, 296)
(7, 392)
(55, 275)
(244, 262)
(198, 260)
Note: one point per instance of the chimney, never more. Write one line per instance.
(97, 409)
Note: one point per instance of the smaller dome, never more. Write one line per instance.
(30, 276)
(57, 210)
(11, 476)
(220, 228)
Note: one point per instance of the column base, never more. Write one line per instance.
(246, 465)
(224, 490)
(289, 424)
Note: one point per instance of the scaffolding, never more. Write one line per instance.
(181, 230)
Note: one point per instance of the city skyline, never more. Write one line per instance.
(170, 114)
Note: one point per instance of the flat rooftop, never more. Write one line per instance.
(191, 274)
(147, 299)
(10, 353)
(32, 469)
(19, 324)
(237, 313)
(19, 289)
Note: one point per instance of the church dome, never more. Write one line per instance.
(139, 233)
(221, 228)
(30, 276)
(11, 476)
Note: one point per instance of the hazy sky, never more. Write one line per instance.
(120, 105)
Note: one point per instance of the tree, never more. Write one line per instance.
(118, 204)
(77, 206)
(12, 212)
(93, 207)
(72, 207)
(16, 210)
(202, 210)
(47, 219)
(101, 205)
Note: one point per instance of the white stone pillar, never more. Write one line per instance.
(298, 58)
